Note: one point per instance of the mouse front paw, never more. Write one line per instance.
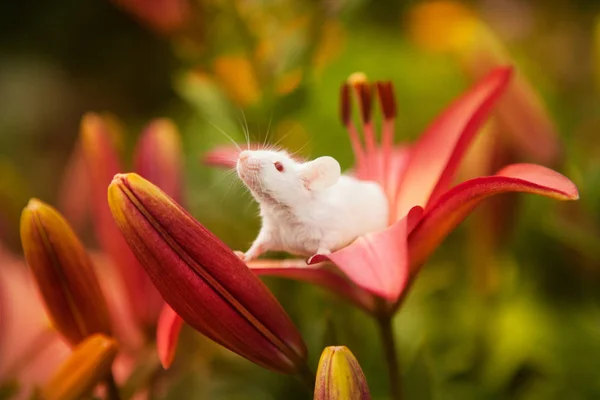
(245, 257)
(253, 252)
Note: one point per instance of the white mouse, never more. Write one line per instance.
(308, 208)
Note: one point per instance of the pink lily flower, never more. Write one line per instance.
(418, 179)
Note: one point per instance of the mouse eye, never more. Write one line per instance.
(278, 166)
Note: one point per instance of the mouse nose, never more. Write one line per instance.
(244, 155)
(247, 161)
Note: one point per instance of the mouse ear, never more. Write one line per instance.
(321, 173)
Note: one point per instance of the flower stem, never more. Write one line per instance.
(112, 391)
(307, 377)
(389, 348)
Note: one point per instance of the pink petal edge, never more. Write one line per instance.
(318, 274)
(436, 155)
(167, 335)
(454, 206)
(222, 156)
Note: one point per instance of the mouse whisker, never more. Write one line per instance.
(232, 182)
(294, 153)
(225, 134)
(240, 119)
(269, 126)
(264, 142)
(247, 129)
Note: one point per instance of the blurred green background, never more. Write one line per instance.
(519, 318)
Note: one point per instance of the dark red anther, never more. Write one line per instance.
(385, 92)
(365, 94)
(345, 105)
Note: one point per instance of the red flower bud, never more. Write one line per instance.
(202, 279)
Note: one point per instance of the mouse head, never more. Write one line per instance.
(274, 177)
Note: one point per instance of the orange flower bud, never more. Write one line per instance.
(63, 272)
(89, 364)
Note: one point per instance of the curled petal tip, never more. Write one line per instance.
(551, 183)
(339, 376)
(316, 259)
(167, 335)
(223, 156)
(454, 206)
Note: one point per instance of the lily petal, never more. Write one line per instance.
(222, 156)
(317, 274)
(454, 206)
(102, 164)
(436, 156)
(158, 157)
(74, 193)
(377, 262)
(167, 335)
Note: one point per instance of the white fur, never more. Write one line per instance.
(304, 221)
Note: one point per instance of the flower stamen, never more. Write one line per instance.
(346, 115)
(387, 101)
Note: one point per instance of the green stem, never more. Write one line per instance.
(307, 377)
(389, 348)
(112, 391)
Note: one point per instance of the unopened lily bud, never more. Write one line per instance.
(340, 377)
(202, 279)
(63, 273)
(89, 364)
